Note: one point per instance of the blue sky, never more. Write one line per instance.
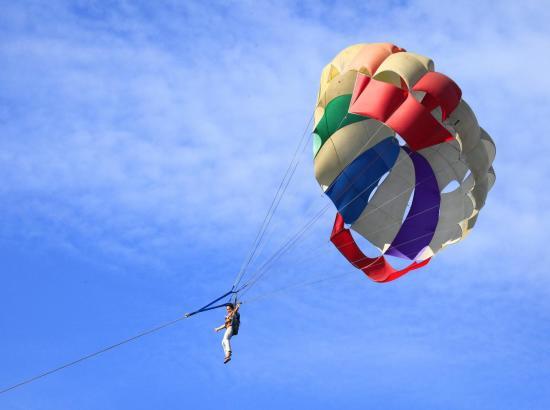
(140, 146)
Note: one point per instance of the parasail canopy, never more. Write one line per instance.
(400, 154)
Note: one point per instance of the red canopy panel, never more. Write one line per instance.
(377, 269)
(400, 110)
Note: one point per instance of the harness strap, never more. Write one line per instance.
(209, 305)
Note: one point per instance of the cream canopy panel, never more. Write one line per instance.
(382, 217)
(459, 208)
(407, 66)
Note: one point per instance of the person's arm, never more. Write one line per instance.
(217, 329)
(237, 308)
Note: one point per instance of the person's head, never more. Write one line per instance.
(230, 307)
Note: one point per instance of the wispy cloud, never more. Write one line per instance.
(151, 124)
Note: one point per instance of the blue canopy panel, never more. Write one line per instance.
(350, 191)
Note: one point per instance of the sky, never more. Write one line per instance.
(141, 144)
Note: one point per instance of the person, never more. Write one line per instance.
(231, 326)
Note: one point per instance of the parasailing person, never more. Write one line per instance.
(231, 326)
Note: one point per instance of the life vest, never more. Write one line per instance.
(235, 323)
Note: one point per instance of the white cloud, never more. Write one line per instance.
(150, 126)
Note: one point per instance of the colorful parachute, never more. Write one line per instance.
(410, 200)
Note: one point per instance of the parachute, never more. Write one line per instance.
(400, 154)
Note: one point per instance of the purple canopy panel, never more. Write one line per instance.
(419, 226)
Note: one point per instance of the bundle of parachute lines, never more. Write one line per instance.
(400, 154)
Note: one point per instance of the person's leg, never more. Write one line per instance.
(226, 341)
(224, 344)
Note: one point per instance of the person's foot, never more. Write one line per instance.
(228, 358)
